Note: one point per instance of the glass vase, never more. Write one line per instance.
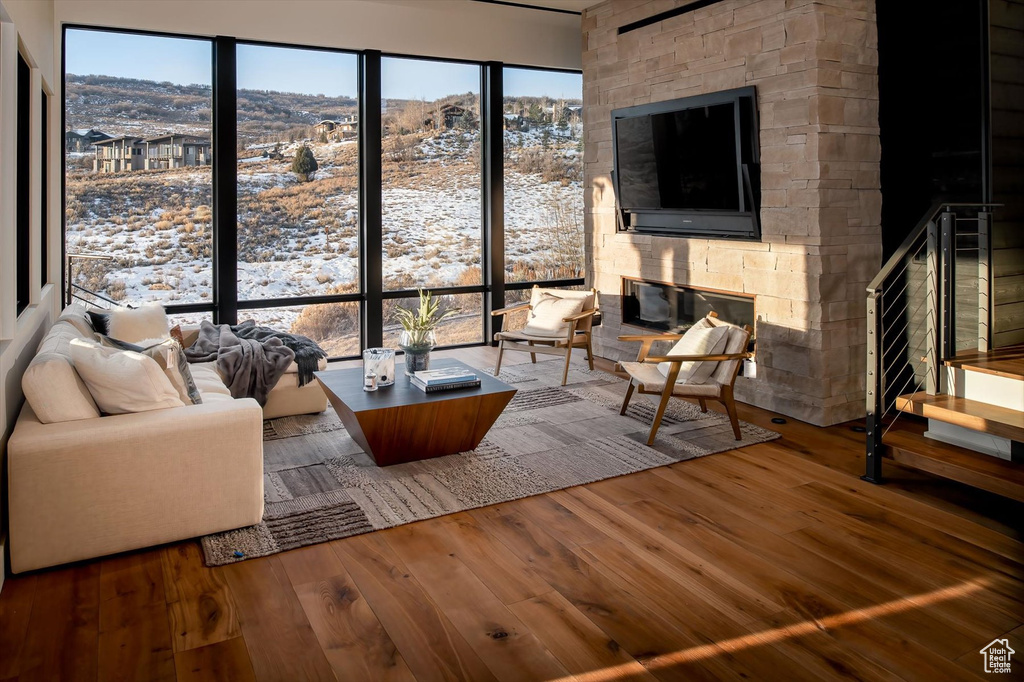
(380, 361)
(417, 345)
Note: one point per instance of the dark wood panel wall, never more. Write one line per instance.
(1007, 72)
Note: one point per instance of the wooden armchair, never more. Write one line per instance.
(645, 377)
(576, 332)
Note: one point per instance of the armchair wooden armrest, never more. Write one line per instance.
(579, 316)
(647, 340)
(697, 358)
(510, 309)
(651, 337)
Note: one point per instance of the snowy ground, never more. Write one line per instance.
(158, 225)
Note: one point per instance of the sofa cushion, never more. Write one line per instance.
(148, 321)
(76, 316)
(168, 354)
(51, 385)
(122, 381)
(208, 380)
(294, 367)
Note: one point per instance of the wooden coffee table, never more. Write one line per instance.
(401, 423)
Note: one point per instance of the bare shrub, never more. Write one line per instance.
(327, 320)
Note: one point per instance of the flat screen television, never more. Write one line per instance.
(691, 166)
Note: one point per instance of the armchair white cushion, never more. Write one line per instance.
(700, 339)
(547, 316)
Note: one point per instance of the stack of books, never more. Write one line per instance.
(434, 380)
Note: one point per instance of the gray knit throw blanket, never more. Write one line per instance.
(307, 352)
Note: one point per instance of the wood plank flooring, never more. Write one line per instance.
(773, 561)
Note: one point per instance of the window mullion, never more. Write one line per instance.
(494, 196)
(370, 183)
(225, 182)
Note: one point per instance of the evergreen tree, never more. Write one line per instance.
(304, 165)
(535, 113)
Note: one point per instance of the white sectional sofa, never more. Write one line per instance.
(82, 485)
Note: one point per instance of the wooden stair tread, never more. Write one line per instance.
(970, 414)
(989, 473)
(1004, 362)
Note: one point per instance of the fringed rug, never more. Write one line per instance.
(319, 485)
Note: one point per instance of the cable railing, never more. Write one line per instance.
(76, 292)
(931, 298)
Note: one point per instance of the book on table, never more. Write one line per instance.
(450, 386)
(445, 376)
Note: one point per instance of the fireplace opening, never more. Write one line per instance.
(674, 308)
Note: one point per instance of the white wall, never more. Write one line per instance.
(30, 23)
(439, 28)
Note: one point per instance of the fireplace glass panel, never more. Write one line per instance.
(671, 308)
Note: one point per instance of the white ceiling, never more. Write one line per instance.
(573, 5)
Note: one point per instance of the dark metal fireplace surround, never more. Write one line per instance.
(664, 307)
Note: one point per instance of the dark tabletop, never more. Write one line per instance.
(347, 385)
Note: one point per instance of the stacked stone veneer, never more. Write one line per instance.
(814, 65)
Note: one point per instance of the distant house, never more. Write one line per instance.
(117, 154)
(516, 122)
(451, 114)
(343, 127)
(573, 113)
(175, 151)
(83, 140)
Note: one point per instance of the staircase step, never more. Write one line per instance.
(959, 464)
(970, 414)
(1004, 362)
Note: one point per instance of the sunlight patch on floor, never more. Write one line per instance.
(764, 637)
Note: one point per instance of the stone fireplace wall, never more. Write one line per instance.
(814, 64)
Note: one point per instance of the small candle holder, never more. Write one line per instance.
(380, 361)
(370, 381)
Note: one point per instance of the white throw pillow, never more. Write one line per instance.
(135, 324)
(547, 313)
(168, 354)
(122, 381)
(700, 339)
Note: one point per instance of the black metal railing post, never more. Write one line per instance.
(947, 298)
(875, 389)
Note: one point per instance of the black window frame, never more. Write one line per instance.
(23, 191)
(225, 305)
(44, 185)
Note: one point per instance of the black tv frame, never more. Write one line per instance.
(707, 223)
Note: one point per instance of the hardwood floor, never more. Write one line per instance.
(772, 561)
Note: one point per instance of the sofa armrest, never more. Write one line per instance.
(92, 487)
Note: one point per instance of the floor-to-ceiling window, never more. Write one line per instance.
(543, 162)
(298, 192)
(134, 106)
(296, 237)
(431, 194)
